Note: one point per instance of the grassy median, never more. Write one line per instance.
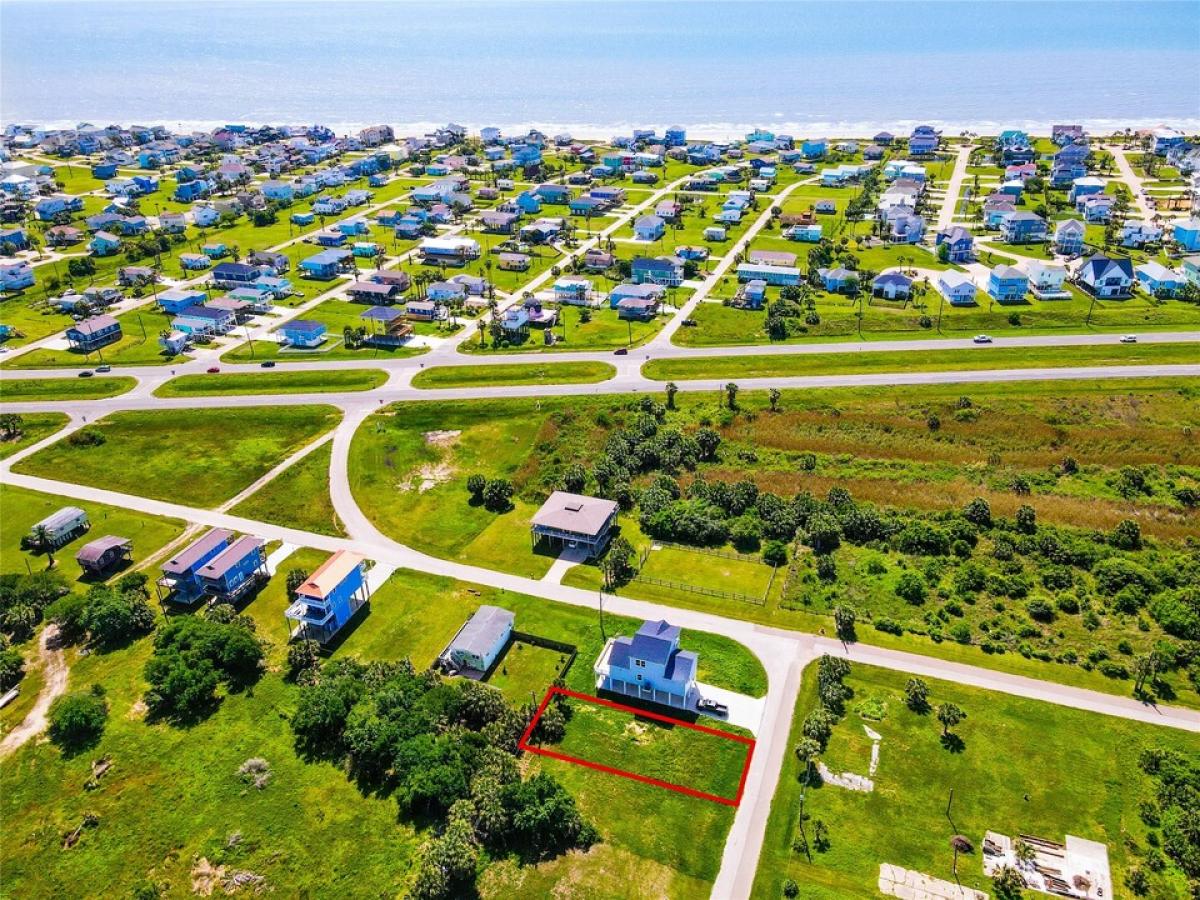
(516, 374)
(978, 358)
(309, 382)
(34, 390)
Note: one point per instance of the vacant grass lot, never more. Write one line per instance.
(707, 571)
(655, 749)
(28, 390)
(1025, 768)
(331, 381)
(197, 456)
(920, 361)
(34, 427)
(531, 373)
(21, 509)
(297, 498)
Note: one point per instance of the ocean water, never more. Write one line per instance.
(597, 68)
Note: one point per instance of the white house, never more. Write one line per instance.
(1046, 280)
(957, 288)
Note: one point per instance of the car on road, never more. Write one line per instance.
(104, 368)
(712, 706)
(86, 373)
(1129, 339)
(621, 351)
(213, 370)
(982, 339)
(267, 364)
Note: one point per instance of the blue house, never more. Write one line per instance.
(528, 203)
(1068, 237)
(922, 140)
(16, 275)
(232, 274)
(325, 265)
(15, 237)
(104, 243)
(1022, 228)
(1084, 187)
(959, 241)
(808, 233)
(187, 191)
(176, 300)
(104, 171)
(93, 333)
(675, 136)
(303, 218)
(665, 270)
(649, 666)
(180, 581)
(838, 280)
(235, 571)
(1007, 284)
(303, 332)
(649, 228)
(553, 193)
(813, 149)
(1187, 234)
(1157, 280)
(330, 597)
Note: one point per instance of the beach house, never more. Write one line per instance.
(1046, 280)
(480, 641)
(649, 666)
(1007, 284)
(1157, 280)
(956, 287)
(232, 573)
(303, 332)
(665, 270)
(1068, 237)
(574, 521)
(180, 581)
(94, 333)
(1106, 277)
(329, 597)
(960, 243)
(60, 527)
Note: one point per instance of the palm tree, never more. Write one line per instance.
(41, 534)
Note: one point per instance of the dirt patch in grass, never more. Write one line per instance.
(441, 438)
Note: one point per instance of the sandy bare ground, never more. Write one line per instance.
(56, 670)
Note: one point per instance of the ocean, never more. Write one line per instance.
(600, 68)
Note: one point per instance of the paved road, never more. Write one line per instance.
(954, 188)
(1134, 181)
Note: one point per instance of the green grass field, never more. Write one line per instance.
(525, 671)
(695, 568)
(22, 509)
(34, 427)
(196, 456)
(138, 346)
(1025, 768)
(920, 361)
(516, 374)
(297, 498)
(331, 381)
(30, 390)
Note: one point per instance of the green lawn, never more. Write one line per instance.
(297, 498)
(331, 381)
(526, 671)
(919, 361)
(34, 427)
(1025, 768)
(29, 314)
(28, 390)
(516, 374)
(22, 509)
(651, 748)
(198, 456)
(707, 570)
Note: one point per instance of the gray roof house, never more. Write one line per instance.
(480, 640)
(575, 520)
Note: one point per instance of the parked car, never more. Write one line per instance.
(712, 706)
(1129, 339)
(267, 364)
(982, 339)
(213, 370)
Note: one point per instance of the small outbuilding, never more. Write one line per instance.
(480, 641)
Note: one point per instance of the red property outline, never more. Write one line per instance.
(671, 786)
